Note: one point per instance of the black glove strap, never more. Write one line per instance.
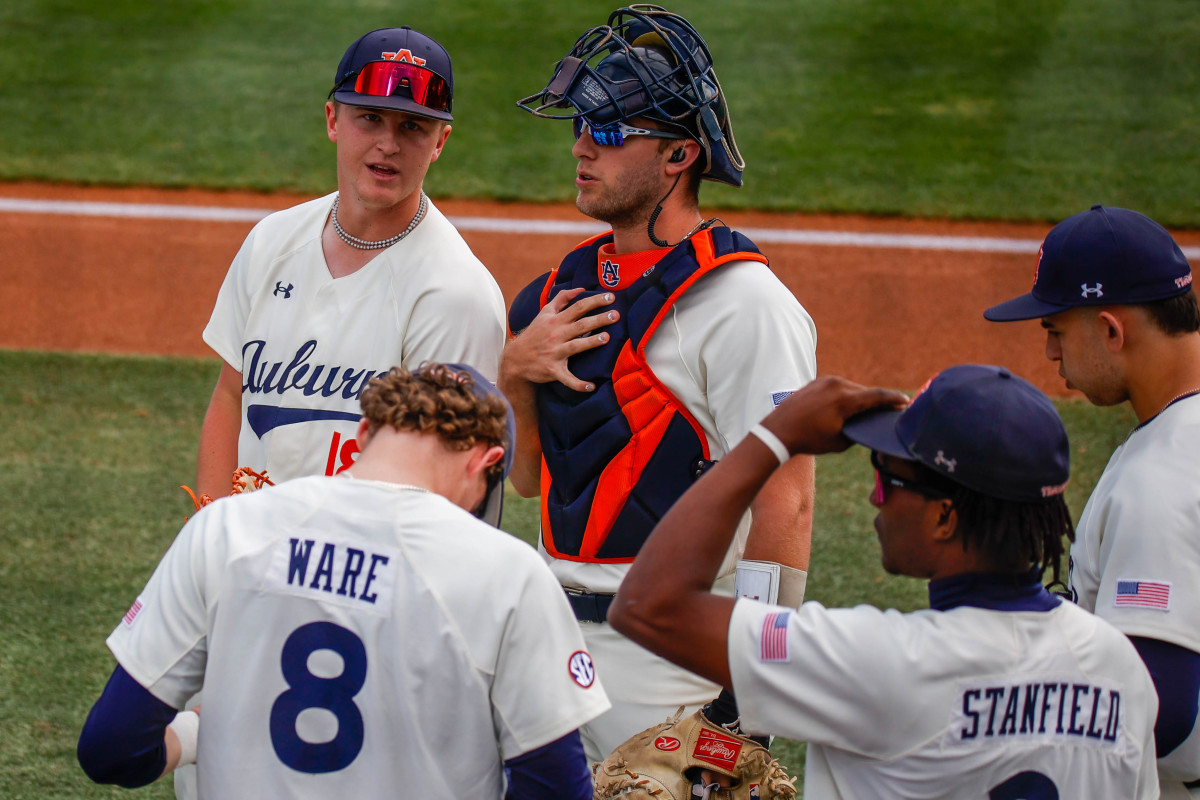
(724, 712)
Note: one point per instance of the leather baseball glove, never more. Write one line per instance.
(244, 480)
(665, 763)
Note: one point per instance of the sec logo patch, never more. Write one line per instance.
(667, 743)
(581, 669)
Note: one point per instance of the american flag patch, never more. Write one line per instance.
(774, 637)
(132, 613)
(1143, 594)
(779, 397)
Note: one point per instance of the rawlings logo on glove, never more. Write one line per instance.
(666, 762)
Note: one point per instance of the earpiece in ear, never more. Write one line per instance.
(679, 155)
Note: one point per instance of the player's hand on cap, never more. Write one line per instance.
(811, 419)
(561, 329)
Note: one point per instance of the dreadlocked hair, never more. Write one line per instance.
(1013, 536)
(436, 399)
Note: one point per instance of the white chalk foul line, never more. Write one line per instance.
(977, 244)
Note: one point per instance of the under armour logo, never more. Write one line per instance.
(1090, 290)
(610, 274)
(942, 461)
(405, 56)
(285, 290)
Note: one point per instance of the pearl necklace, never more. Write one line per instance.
(1179, 397)
(1170, 402)
(363, 244)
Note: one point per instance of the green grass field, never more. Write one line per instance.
(1029, 109)
(1026, 110)
(89, 478)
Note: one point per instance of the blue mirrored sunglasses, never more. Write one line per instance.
(614, 135)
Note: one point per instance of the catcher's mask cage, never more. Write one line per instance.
(646, 62)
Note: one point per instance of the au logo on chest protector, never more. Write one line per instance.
(610, 273)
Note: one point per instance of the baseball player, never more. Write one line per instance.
(613, 427)
(358, 632)
(325, 295)
(1114, 294)
(999, 690)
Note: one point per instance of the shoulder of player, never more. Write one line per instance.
(293, 218)
(282, 232)
(1172, 437)
(742, 302)
(1099, 647)
(1155, 468)
(437, 253)
(739, 283)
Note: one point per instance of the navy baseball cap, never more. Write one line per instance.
(979, 426)
(493, 505)
(396, 68)
(1102, 256)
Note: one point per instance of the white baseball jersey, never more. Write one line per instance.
(700, 353)
(964, 703)
(357, 635)
(1136, 557)
(306, 343)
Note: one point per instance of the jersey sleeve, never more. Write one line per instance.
(1141, 545)
(161, 641)
(544, 685)
(738, 309)
(227, 322)
(822, 675)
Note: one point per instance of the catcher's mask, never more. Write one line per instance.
(646, 62)
(493, 502)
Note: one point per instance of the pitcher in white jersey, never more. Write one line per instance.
(323, 296)
(1114, 294)
(358, 635)
(1000, 690)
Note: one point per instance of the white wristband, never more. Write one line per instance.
(772, 442)
(187, 730)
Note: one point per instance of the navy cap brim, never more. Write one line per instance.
(877, 430)
(392, 103)
(1024, 307)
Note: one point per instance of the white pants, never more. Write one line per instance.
(644, 689)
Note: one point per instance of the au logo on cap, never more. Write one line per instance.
(404, 55)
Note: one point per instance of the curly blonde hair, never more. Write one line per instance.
(437, 399)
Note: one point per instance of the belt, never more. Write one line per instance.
(589, 606)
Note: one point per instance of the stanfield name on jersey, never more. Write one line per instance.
(262, 376)
(1037, 707)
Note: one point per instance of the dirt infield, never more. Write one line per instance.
(884, 315)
